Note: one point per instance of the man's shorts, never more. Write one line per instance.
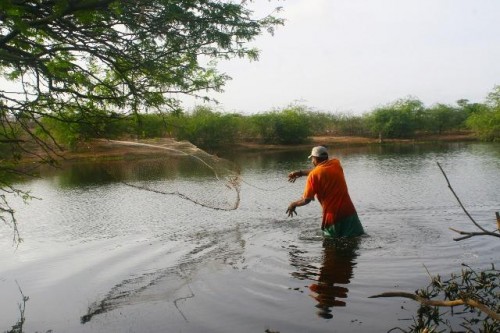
(347, 227)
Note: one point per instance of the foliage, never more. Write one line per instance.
(320, 123)
(151, 125)
(493, 98)
(486, 125)
(442, 117)
(486, 122)
(290, 125)
(399, 119)
(73, 126)
(343, 124)
(471, 108)
(74, 67)
(93, 59)
(209, 129)
(347, 124)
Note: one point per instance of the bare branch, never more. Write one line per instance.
(469, 234)
(430, 302)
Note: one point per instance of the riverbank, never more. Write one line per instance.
(105, 149)
(340, 141)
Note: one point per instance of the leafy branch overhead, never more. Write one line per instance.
(88, 63)
(81, 61)
(119, 53)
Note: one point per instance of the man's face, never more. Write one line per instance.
(314, 160)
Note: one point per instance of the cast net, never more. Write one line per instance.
(176, 168)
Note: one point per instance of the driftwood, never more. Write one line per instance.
(430, 302)
(469, 234)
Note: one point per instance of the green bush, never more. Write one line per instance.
(70, 127)
(207, 128)
(400, 119)
(294, 124)
(486, 124)
(352, 125)
(441, 117)
(288, 126)
(64, 132)
(150, 125)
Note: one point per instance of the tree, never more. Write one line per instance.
(398, 120)
(486, 125)
(77, 61)
(470, 108)
(485, 122)
(209, 129)
(493, 98)
(290, 125)
(442, 117)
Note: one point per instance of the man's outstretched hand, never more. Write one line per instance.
(292, 176)
(291, 210)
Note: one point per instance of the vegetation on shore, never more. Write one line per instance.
(208, 127)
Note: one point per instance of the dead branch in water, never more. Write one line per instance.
(18, 327)
(469, 234)
(430, 302)
(476, 292)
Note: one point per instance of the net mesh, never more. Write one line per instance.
(177, 168)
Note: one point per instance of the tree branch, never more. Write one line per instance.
(424, 301)
(469, 234)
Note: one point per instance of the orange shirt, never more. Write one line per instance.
(326, 181)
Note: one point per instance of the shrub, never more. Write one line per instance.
(398, 120)
(288, 126)
(208, 129)
(486, 124)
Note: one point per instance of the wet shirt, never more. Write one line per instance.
(326, 181)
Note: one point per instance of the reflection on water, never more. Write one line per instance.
(162, 284)
(334, 275)
(331, 277)
(209, 181)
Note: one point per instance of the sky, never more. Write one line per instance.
(351, 56)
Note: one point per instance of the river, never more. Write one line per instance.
(100, 255)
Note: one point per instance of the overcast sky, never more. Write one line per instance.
(354, 55)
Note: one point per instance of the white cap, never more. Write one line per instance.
(319, 151)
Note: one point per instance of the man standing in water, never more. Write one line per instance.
(326, 181)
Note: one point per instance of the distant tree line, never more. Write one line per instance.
(208, 127)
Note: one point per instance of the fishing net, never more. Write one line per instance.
(175, 168)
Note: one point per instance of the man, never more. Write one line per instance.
(326, 181)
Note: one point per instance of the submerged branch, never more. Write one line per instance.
(430, 302)
(470, 234)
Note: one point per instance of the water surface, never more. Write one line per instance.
(101, 256)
